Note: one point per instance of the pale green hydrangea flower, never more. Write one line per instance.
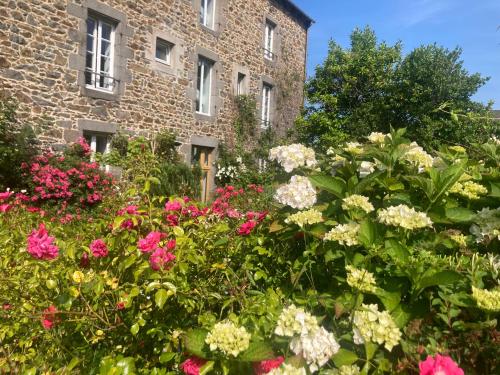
(487, 225)
(469, 190)
(375, 326)
(302, 218)
(459, 239)
(354, 148)
(405, 217)
(458, 149)
(418, 157)
(361, 279)
(295, 321)
(345, 234)
(287, 369)
(487, 299)
(357, 202)
(378, 138)
(347, 370)
(228, 338)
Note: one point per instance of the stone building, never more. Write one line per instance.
(94, 68)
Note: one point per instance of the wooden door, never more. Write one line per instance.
(203, 156)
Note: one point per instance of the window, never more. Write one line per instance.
(207, 13)
(240, 84)
(269, 40)
(266, 106)
(99, 142)
(163, 51)
(99, 54)
(203, 88)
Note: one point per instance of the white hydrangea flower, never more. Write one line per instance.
(418, 157)
(357, 202)
(295, 321)
(345, 234)
(316, 348)
(361, 279)
(228, 172)
(366, 168)
(404, 216)
(487, 225)
(375, 326)
(287, 369)
(293, 156)
(347, 370)
(354, 148)
(487, 299)
(228, 338)
(378, 138)
(303, 218)
(299, 193)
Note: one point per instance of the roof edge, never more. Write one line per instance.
(296, 11)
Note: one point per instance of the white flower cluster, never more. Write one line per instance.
(469, 190)
(361, 279)
(293, 156)
(228, 172)
(354, 148)
(357, 202)
(228, 338)
(299, 193)
(302, 218)
(418, 157)
(378, 138)
(345, 234)
(404, 216)
(366, 168)
(314, 343)
(375, 326)
(286, 369)
(487, 225)
(486, 299)
(347, 370)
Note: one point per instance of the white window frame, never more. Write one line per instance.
(269, 40)
(267, 90)
(169, 46)
(207, 19)
(204, 63)
(94, 70)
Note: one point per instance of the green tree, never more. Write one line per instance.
(371, 87)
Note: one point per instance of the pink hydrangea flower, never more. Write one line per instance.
(150, 243)
(440, 365)
(173, 206)
(49, 317)
(160, 260)
(192, 365)
(40, 244)
(99, 248)
(264, 367)
(246, 228)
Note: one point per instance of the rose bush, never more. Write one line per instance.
(381, 259)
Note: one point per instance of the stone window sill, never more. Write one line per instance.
(98, 94)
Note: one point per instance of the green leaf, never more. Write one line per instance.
(495, 189)
(439, 278)
(333, 185)
(118, 222)
(344, 357)
(396, 250)
(368, 233)
(134, 329)
(207, 367)
(194, 341)
(166, 357)
(161, 297)
(390, 300)
(459, 214)
(127, 365)
(257, 351)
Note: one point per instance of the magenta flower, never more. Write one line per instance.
(192, 365)
(40, 244)
(5, 207)
(150, 243)
(441, 365)
(264, 367)
(49, 317)
(173, 206)
(6, 195)
(160, 260)
(246, 228)
(99, 249)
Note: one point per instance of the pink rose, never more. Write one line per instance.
(150, 243)
(441, 365)
(173, 206)
(246, 228)
(264, 367)
(99, 249)
(192, 365)
(40, 244)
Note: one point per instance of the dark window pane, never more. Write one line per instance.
(106, 31)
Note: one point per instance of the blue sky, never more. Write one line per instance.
(470, 24)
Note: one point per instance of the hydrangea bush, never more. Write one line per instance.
(370, 260)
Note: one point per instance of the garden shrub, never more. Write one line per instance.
(375, 258)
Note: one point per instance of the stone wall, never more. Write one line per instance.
(42, 50)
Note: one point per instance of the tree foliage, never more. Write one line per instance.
(372, 87)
